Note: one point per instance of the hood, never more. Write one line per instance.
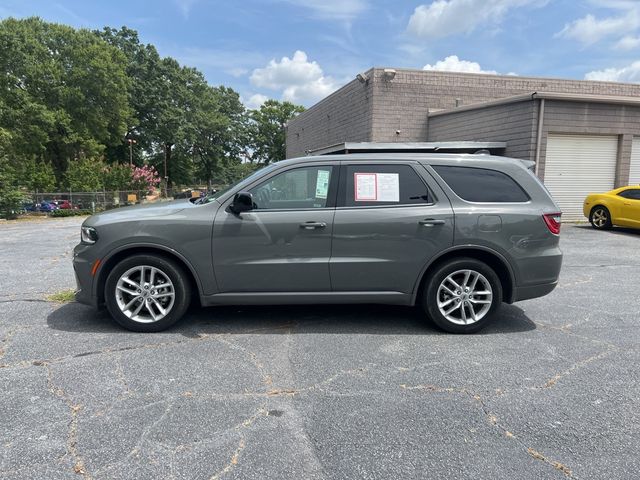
(139, 212)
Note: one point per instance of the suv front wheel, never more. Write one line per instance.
(147, 293)
(462, 295)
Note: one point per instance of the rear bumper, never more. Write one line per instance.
(533, 291)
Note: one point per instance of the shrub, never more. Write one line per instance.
(11, 200)
(70, 213)
(144, 179)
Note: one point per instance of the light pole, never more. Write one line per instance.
(131, 142)
(166, 177)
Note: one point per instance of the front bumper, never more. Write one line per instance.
(82, 263)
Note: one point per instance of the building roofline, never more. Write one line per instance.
(498, 75)
(567, 97)
(406, 147)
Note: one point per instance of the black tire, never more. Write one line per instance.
(430, 294)
(175, 273)
(597, 214)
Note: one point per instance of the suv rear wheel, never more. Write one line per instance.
(147, 293)
(462, 295)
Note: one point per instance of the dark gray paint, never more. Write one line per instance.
(363, 254)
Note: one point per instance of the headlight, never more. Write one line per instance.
(88, 235)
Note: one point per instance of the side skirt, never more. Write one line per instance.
(297, 298)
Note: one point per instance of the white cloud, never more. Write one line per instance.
(299, 80)
(630, 73)
(628, 42)
(255, 101)
(589, 29)
(453, 64)
(447, 17)
(332, 9)
(185, 6)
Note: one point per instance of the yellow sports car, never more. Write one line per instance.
(617, 207)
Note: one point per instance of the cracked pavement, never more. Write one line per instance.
(549, 390)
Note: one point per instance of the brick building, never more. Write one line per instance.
(584, 136)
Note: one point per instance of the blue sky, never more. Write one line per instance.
(301, 50)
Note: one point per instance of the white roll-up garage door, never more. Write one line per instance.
(634, 171)
(577, 165)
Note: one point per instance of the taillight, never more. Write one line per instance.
(553, 222)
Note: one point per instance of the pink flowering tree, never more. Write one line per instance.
(144, 179)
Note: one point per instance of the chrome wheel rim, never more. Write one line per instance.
(465, 297)
(145, 294)
(599, 218)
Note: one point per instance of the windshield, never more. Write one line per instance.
(214, 196)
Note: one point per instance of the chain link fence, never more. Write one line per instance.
(92, 202)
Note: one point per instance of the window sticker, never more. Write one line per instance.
(322, 184)
(376, 187)
(365, 187)
(388, 187)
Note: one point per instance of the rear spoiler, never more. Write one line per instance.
(529, 164)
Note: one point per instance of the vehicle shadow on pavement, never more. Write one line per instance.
(323, 319)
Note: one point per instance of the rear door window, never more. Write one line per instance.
(382, 185)
(481, 184)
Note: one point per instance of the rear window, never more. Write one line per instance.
(481, 184)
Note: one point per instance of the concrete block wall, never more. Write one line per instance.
(514, 123)
(442, 88)
(399, 105)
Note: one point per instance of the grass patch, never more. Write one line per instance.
(64, 296)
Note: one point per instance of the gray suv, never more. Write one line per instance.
(456, 234)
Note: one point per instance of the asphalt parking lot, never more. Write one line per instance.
(549, 390)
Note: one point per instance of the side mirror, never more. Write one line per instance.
(242, 202)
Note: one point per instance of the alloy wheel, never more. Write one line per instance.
(464, 297)
(145, 294)
(599, 217)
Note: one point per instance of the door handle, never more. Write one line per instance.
(312, 225)
(430, 222)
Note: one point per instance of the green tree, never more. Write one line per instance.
(11, 197)
(85, 175)
(216, 132)
(63, 92)
(35, 176)
(268, 130)
(144, 92)
(117, 177)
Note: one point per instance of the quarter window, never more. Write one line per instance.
(632, 194)
(379, 185)
(481, 184)
(299, 188)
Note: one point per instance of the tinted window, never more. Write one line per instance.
(306, 187)
(379, 185)
(481, 184)
(633, 194)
